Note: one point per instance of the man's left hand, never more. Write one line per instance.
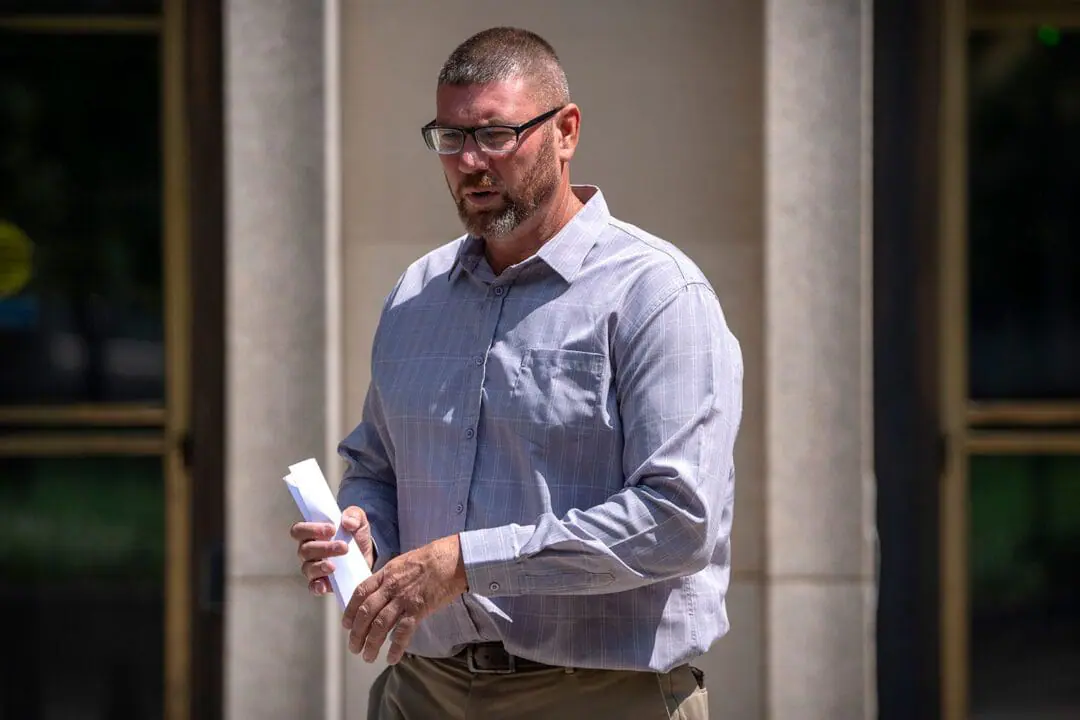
(406, 590)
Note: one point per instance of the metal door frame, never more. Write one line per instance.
(966, 424)
(163, 427)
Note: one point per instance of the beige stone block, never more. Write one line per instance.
(820, 498)
(821, 661)
(819, 502)
(275, 329)
(274, 657)
(735, 665)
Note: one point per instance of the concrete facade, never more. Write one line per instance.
(739, 131)
(819, 499)
(275, 339)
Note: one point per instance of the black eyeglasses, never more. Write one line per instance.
(495, 139)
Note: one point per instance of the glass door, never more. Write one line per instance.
(94, 495)
(1011, 270)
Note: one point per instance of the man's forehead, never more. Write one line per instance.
(502, 101)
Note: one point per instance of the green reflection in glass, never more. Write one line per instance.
(1025, 525)
(99, 519)
(81, 595)
(1049, 35)
(1025, 598)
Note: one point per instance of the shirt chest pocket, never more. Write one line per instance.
(557, 394)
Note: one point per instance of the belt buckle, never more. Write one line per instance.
(470, 660)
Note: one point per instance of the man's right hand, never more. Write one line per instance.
(317, 546)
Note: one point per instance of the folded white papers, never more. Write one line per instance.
(317, 504)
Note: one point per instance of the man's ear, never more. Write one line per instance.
(567, 131)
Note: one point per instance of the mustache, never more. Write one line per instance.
(480, 181)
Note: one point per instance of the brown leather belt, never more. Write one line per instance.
(493, 659)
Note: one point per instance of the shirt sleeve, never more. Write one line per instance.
(679, 385)
(369, 481)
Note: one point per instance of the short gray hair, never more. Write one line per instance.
(507, 53)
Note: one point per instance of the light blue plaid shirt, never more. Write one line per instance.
(573, 418)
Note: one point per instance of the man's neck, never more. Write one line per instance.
(543, 226)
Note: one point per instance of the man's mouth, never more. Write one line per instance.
(481, 197)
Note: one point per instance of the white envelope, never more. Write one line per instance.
(309, 489)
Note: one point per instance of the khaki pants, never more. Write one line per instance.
(421, 689)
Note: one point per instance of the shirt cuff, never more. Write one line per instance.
(492, 558)
(381, 547)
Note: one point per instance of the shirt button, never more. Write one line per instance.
(499, 291)
(469, 432)
(494, 587)
(478, 360)
(460, 508)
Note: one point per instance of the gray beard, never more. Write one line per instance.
(498, 223)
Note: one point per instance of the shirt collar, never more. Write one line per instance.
(565, 252)
(470, 251)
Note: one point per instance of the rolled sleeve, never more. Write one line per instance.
(492, 559)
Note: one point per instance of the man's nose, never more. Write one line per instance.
(471, 159)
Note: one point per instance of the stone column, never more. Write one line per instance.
(820, 489)
(276, 378)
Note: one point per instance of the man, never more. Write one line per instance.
(543, 477)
